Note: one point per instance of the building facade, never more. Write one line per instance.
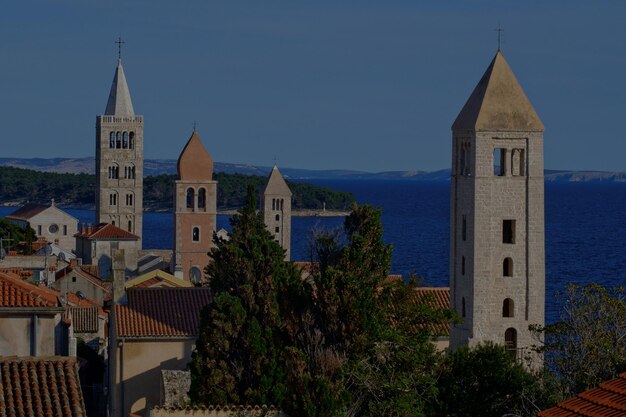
(195, 211)
(276, 206)
(119, 160)
(497, 267)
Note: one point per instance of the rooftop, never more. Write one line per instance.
(119, 102)
(105, 231)
(194, 162)
(17, 293)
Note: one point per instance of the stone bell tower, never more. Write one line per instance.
(276, 206)
(119, 160)
(497, 267)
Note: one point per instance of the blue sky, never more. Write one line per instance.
(368, 85)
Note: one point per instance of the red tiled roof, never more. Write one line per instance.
(607, 400)
(106, 231)
(161, 312)
(84, 319)
(26, 212)
(40, 387)
(15, 292)
(437, 298)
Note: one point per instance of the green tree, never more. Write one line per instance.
(238, 356)
(19, 238)
(588, 345)
(486, 381)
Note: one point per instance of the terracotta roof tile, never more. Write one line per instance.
(436, 298)
(106, 231)
(84, 319)
(15, 292)
(607, 400)
(161, 312)
(27, 211)
(40, 387)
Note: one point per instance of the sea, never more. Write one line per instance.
(585, 231)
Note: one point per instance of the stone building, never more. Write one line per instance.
(195, 210)
(49, 222)
(276, 206)
(119, 161)
(497, 271)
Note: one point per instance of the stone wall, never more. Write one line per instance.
(217, 411)
(175, 387)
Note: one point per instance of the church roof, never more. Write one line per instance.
(194, 162)
(498, 103)
(106, 231)
(276, 184)
(119, 103)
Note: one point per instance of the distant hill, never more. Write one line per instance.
(153, 167)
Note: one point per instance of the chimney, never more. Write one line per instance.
(74, 263)
(82, 228)
(119, 266)
(89, 229)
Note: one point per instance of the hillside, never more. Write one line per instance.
(18, 186)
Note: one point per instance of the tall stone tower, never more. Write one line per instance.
(497, 271)
(195, 210)
(276, 206)
(119, 160)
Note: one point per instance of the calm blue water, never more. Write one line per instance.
(585, 230)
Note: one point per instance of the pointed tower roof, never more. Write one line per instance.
(498, 103)
(119, 103)
(194, 162)
(276, 184)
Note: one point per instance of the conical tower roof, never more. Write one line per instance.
(194, 162)
(498, 103)
(276, 184)
(119, 103)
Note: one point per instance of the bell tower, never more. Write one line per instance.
(276, 206)
(119, 160)
(497, 267)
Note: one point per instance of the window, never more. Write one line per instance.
(131, 140)
(202, 198)
(273, 204)
(113, 199)
(464, 228)
(517, 162)
(190, 198)
(281, 204)
(125, 140)
(53, 228)
(464, 166)
(507, 267)
(462, 265)
(508, 308)
(112, 140)
(130, 226)
(129, 199)
(499, 162)
(64, 230)
(277, 229)
(129, 172)
(195, 275)
(463, 307)
(510, 340)
(73, 279)
(114, 172)
(277, 217)
(39, 230)
(195, 234)
(508, 231)
(118, 140)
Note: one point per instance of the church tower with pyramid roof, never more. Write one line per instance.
(276, 206)
(195, 211)
(497, 266)
(119, 160)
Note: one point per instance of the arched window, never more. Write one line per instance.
(510, 339)
(112, 140)
(508, 308)
(118, 140)
(202, 198)
(507, 267)
(463, 307)
(113, 199)
(129, 199)
(462, 265)
(130, 226)
(273, 204)
(195, 234)
(131, 140)
(125, 140)
(195, 275)
(190, 198)
(277, 217)
(281, 204)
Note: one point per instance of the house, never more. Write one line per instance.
(155, 330)
(94, 245)
(609, 399)
(49, 222)
(83, 279)
(26, 389)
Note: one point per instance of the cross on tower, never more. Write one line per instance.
(275, 160)
(119, 43)
(499, 30)
(195, 124)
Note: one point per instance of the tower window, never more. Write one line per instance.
(508, 231)
(277, 217)
(130, 226)
(195, 275)
(282, 204)
(510, 340)
(277, 229)
(202, 198)
(113, 199)
(129, 199)
(112, 140)
(131, 140)
(125, 140)
(463, 307)
(517, 162)
(273, 204)
(190, 198)
(195, 234)
(507, 267)
(462, 265)
(64, 230)
(508, 308)
(464, 228)
(114, 172)
(118, 140)
(499, 162)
